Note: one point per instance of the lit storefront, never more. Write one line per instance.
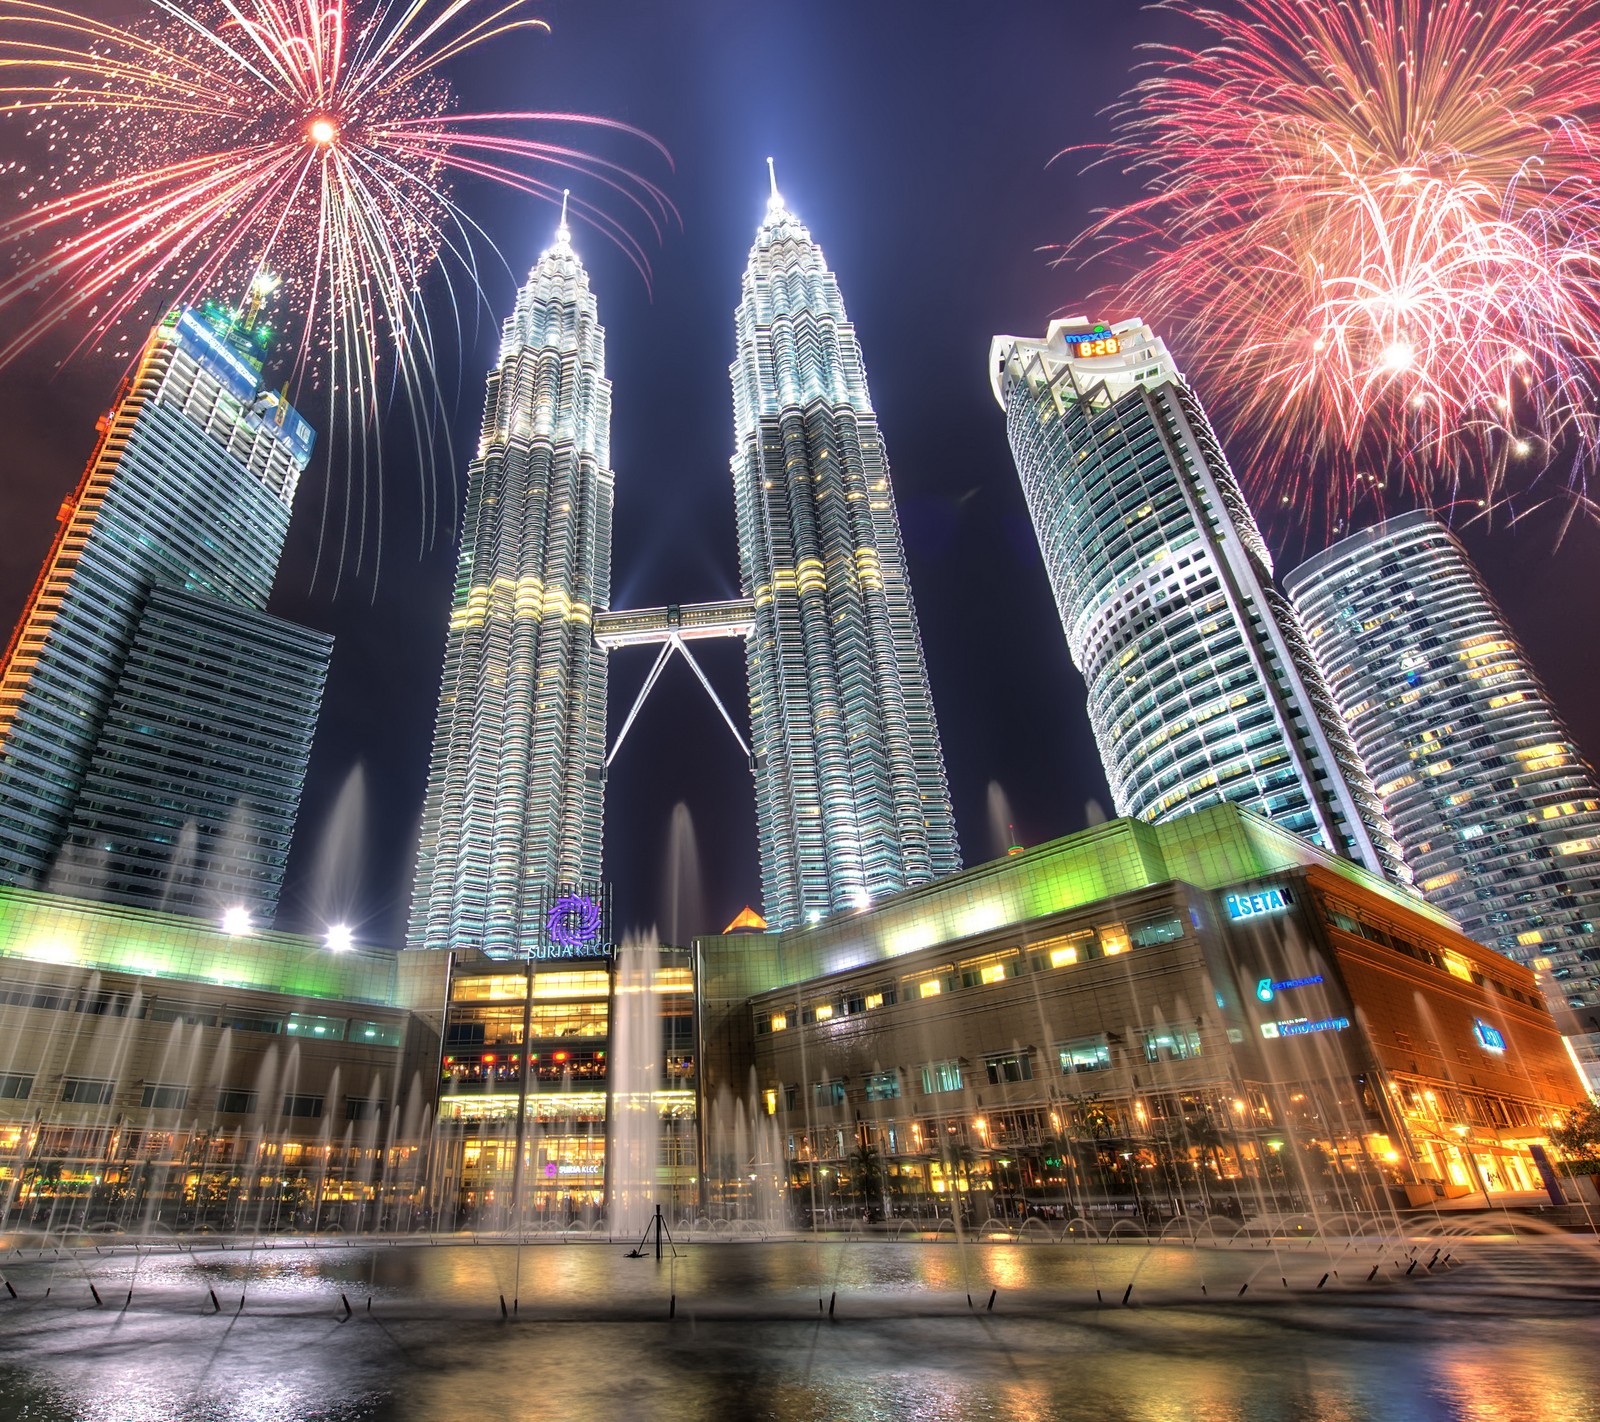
(1207, 1015)
(525, 1072)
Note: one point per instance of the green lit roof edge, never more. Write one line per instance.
(1211, 849)
(41, 927)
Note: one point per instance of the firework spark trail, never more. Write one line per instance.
(1375, 226)
(219, 139)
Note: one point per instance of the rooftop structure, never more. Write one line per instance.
(42, 928)
(1220, 845)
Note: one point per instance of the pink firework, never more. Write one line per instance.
(1373, 228)
(213, 142)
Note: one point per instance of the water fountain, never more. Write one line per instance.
(634, 1118)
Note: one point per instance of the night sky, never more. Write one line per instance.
(915, 141)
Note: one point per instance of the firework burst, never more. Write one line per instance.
(1375, 224)
(217, 140)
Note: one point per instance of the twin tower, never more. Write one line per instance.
(851, 796)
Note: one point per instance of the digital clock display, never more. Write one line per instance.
(1090, 346)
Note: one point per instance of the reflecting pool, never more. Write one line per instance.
(1341, 1331)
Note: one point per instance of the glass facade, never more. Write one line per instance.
(851, 797)
(526, 1072)
(159, 1073)
(1495, 807)
(1200, 686)
(190, 488)
(191, 796)
(515, 791)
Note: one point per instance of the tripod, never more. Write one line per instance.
(659, 1227)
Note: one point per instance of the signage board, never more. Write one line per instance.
(574, 921)
(238, 373)
(1272, 899)
(1303, 1027)
(1267, 989)
(1491, 1039)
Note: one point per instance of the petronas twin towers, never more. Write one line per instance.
(851, 796)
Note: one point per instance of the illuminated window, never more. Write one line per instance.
(824, 1011)
(327, 1029)
(883, 1086)
(941, 1076)
(1114, 939)
(1061, 957)
(779, 1022)
(1084, 1054)
(770, 1099)
(1008, 1066)
(994, 973)
(1169, 1044)
(874, 999)
(1156, 931)
(1457, 966)
(930, 987)
(1528, 939)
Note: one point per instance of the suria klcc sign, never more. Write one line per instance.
(576, 923)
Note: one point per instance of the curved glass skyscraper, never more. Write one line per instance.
(1201, 688)
(515, 791)
(1493, 804)
(851, 797)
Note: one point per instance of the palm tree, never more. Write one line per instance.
(866, 1167)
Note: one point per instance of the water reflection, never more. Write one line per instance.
(1509, 1336)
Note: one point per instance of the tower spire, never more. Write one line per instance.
(775, 202)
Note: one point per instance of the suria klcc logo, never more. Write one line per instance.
(573, 921)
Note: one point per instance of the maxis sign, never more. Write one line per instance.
(1272, 899)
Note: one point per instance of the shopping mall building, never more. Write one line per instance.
(1207, 1013)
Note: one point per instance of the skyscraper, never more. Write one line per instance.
(1494, 806)
(191, 797)
(515, 792)
(1201, 687)
(851, 796)
(189, 489)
